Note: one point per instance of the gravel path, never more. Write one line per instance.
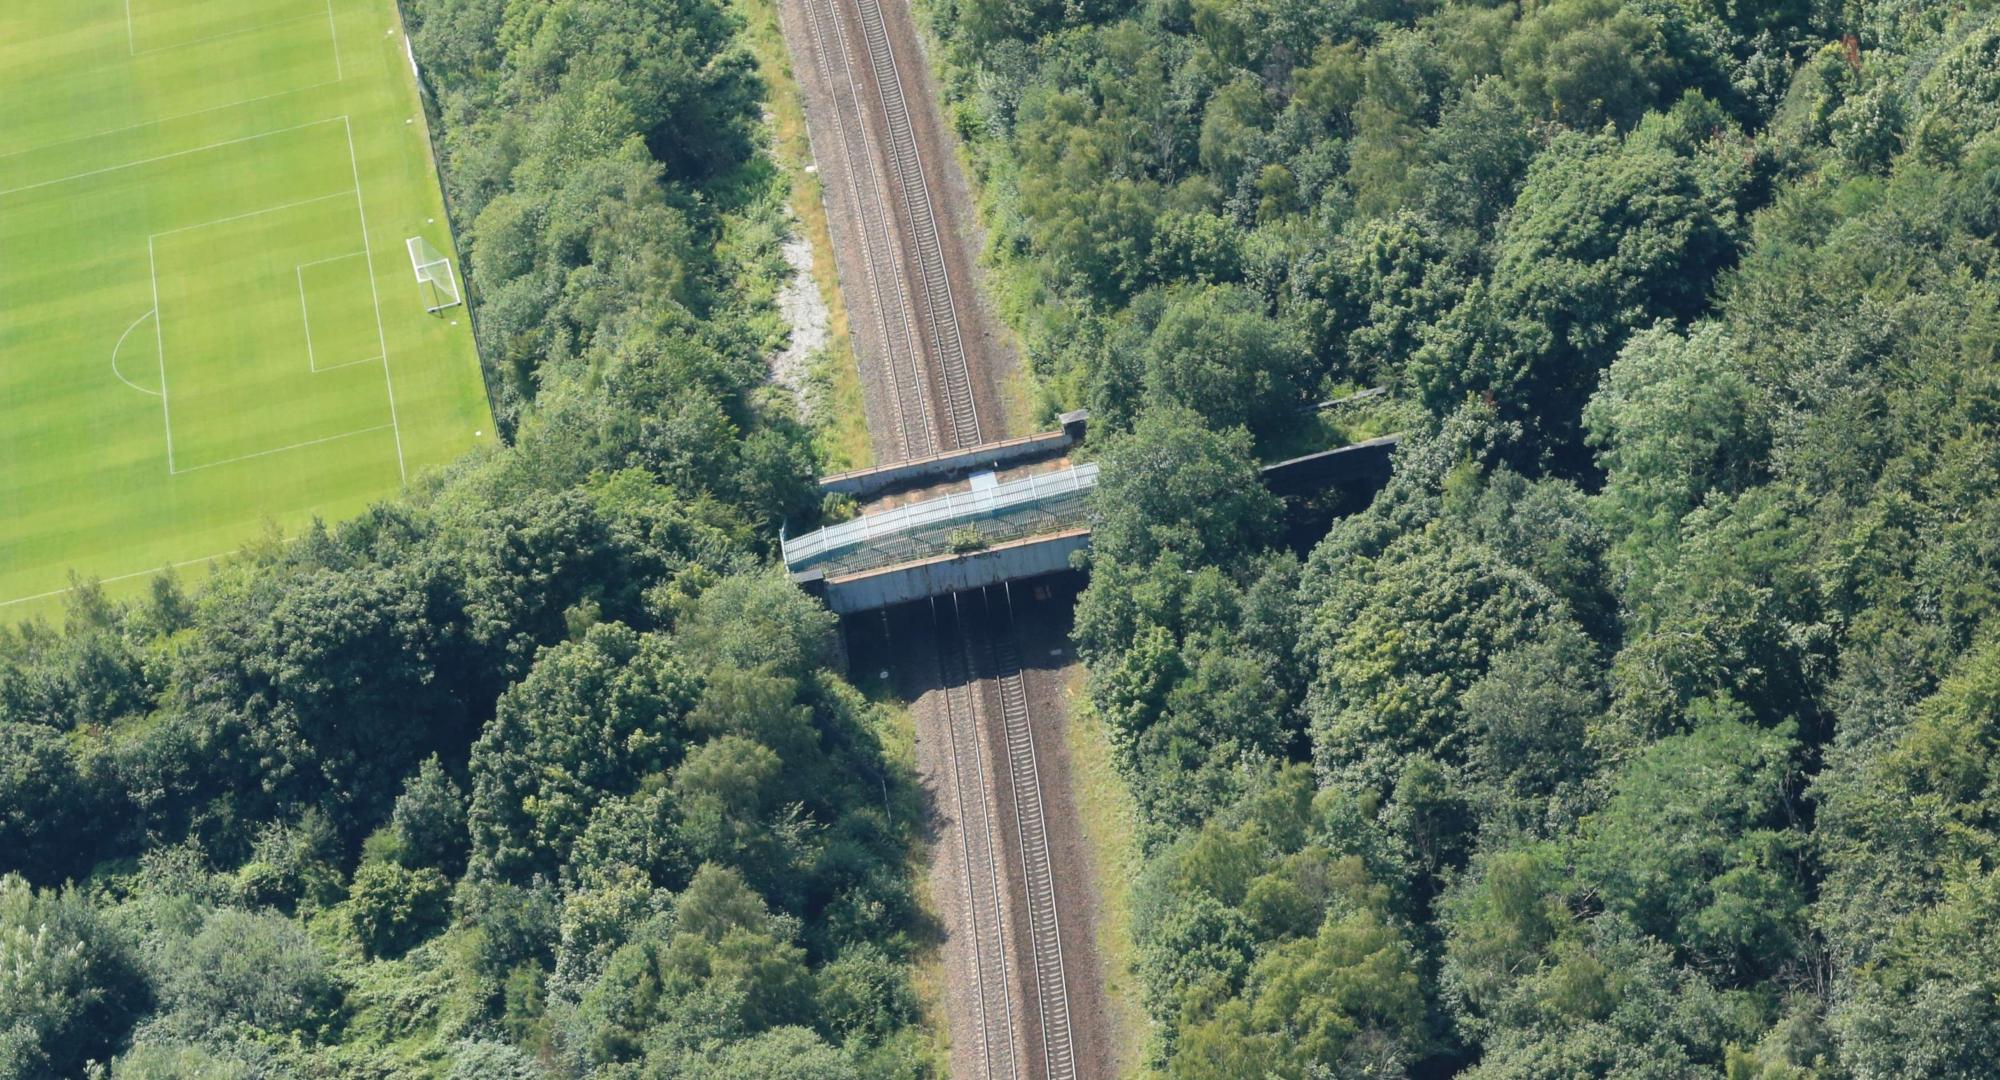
(810, 321)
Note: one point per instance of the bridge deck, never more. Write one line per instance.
(955, 523)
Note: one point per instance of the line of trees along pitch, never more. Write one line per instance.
(1645, 725)
(540, 771)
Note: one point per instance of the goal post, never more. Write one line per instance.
(435, 279)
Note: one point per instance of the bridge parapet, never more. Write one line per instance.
(886, 586)
(864, 484)
(1026, 506)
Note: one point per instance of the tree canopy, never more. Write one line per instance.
(1640, 723)
(1644, 724)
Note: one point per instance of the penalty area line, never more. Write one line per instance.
(168, 567)
(282, 449)
(333, 35)
(257, 213)
(381, 335)
(224, 36)
(175, 154)
(164, 120)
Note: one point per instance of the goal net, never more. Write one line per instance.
(435, 279)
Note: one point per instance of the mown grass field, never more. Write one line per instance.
(208, 319)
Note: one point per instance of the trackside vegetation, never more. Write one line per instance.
(1643, 725)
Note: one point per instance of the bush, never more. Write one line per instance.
(477, 1060)
(253, 968)
(68, 986)
(391, 907)
(429, 821)
(178, 1061)
(291, 864)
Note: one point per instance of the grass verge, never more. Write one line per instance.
(1108, 816)
(839, 417)
(1012, 287)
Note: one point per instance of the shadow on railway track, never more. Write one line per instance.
(984, 673)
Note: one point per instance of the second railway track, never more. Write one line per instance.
(991, 641)
(979, 848)
(940, 306)
(905, 273)
(986, 703)
(915, 429)
(1012, 1008)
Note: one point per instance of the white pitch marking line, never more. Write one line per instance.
(305, 313)
(381, 337)
(120, 577)
(282, 449)
(164, 120)
(305, 316)
(131, 40)
(172, 470)
(254, 213)
(120, 345)
(333, 33)
(170, 565)
(160, 343)
(335, 258)
(175, 154)
(349, 364)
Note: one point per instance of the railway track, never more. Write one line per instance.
(1002, 667)
(916, 429)
(985, 885)
(940, 306)
(1017, 1027)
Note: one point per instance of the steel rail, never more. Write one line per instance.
(1003, 668)
(941, 309)
(905, 379)
(985, 889)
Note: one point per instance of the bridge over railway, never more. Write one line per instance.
(1002, 512)
(986, 671)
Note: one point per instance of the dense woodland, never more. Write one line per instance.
(1647, 725)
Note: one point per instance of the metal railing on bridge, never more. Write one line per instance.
(1034, 496)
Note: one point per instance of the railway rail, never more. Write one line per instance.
(940, 306)
(916, 430)
(1016, 1022)
(1002, 667)
(985, 885)
(929, 380)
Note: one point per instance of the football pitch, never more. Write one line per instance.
(209, 320)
